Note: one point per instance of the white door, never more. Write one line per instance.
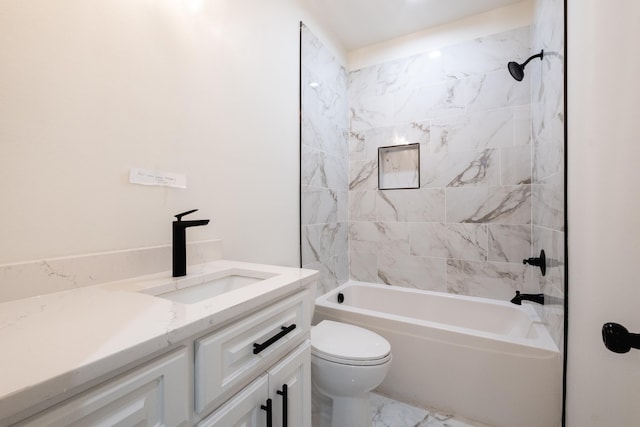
(603, 116)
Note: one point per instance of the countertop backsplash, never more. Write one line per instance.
(39, 277)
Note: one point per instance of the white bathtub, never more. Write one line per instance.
(482, 359)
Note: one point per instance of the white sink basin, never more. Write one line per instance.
(193, 290)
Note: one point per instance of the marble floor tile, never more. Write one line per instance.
(387, 412)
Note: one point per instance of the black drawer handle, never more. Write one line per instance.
(257, 348)
(268, 408)
(284, 394)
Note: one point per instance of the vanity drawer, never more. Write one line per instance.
(231, 357)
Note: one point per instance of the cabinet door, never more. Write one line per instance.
(294, 371)
(244, 409)
(153, 395)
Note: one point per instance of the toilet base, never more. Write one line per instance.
(321, 408)
(351, 411)
(354, 411)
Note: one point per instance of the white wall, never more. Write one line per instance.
(208, 88)
(603, 388)
(484, 24)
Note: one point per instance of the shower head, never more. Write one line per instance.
(517, 70)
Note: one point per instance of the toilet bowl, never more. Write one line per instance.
(347, 362)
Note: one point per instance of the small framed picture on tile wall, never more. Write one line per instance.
(399, 167)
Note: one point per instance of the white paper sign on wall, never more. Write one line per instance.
(153, 177)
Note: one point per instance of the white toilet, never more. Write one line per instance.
(347, 362)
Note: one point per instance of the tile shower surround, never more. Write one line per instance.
(324, 167)
(547, 122)
(468, 227)
(491, 167)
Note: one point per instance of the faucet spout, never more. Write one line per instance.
(538, 298)
(191, 223)
(179, 252)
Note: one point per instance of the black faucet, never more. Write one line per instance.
(539, 298)
(180, 243)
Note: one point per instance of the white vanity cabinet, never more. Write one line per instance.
(156, 394)
(279, 398)
(226, 375)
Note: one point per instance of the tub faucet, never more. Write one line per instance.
(539, 298)
(180, 243)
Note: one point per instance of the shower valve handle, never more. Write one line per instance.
(538, 262)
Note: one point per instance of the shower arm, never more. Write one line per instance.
(538, 55)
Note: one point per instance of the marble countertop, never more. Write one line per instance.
(56, 342)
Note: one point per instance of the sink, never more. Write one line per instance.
(193, 290)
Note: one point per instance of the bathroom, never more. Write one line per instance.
(211, 90)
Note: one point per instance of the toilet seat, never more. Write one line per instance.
(348, 344)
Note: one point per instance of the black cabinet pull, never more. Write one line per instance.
(269, 409)
(257, 348)
(618, 339)
(284, 395)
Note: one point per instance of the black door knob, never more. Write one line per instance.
(618, 339)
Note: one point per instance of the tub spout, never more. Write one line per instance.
(539, 298)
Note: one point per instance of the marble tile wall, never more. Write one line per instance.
(324, 163)
(468, 227)
(547, 116)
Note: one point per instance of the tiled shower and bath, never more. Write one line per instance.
(491, 167)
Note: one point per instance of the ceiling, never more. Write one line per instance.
(359, 23)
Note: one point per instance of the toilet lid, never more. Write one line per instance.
(347, 342)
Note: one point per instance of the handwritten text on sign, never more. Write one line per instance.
(153, 177)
